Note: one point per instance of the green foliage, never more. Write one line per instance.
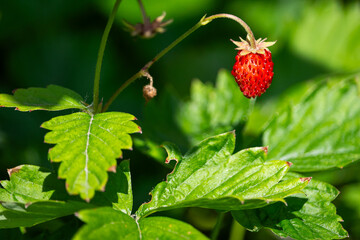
(27, 199)
(311, 216)
(35, 195)
(168, 228)
(87, 147)
(328, 33)
(107, 223)
(212, 110)
(118, 192)
(209, 176)
(320, 132)
(52, 98)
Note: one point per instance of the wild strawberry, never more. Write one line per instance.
(253, 69)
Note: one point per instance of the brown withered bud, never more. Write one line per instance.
(148, 29)
(149, 92)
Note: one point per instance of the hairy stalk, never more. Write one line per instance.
(218, 226)
(240, 21)
(203, 21)
(101, 55)
(146, 19)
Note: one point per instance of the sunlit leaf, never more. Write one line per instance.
(209, 176)
(322, 130)
(212, 110)
(87, 147)
(118, 192)
(168, 228)
(311, 216)
(52, 98)
(106, 223)
(27, 199)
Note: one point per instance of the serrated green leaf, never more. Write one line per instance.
(172, 151)
(311, 216)
(212, 110)
(210, 176)
(168, 228)
(26, 199)
(87, 147)
(150, 148)
(118, 190)
(125, 196)
(27, 183)
(52, 98)
(15, 214)
(106, 223)
(159, 125)
(320, 132)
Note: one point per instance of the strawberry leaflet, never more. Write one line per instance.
(87, 147)
(51, 98)
(210, 176)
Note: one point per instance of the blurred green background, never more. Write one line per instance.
(56, 42)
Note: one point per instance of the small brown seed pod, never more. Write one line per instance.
(149, 92)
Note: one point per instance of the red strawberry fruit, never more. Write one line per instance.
(253, 69)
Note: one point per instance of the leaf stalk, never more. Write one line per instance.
(101, 55)
(218, 226)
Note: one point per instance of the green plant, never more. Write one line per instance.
(312, 130)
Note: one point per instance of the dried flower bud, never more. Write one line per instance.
(149, 92)
(147, 29)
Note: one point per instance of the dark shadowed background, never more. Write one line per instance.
(56, 42)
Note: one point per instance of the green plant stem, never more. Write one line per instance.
(101, 55)
(237, 231)
(218, 225)
(148, 65)
(146, 19)
(203, 21)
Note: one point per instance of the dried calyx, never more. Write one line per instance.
(245, 46)
(148, 29)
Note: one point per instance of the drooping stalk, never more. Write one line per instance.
(101, 55)
(240, 21)
(203, 21)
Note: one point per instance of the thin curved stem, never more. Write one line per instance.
(218, 226)
(145, 69)
(101, 55)
(240, 21)
(146, 19)
(203, 21)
